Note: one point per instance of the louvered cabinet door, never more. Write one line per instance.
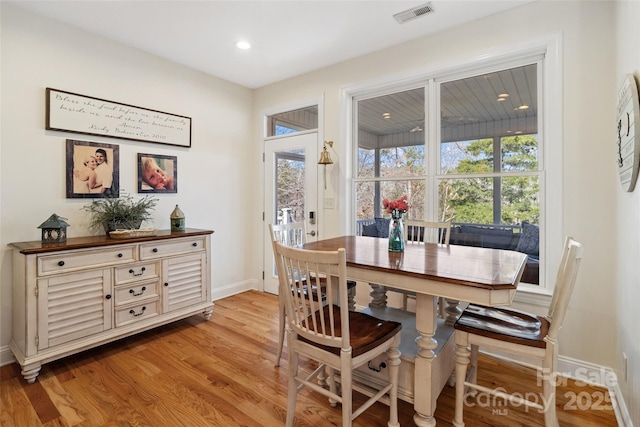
(73, 306)
(184, 281)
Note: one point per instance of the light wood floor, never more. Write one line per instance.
(220, 373)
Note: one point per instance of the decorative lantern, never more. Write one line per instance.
(177, 220)
(54, 229)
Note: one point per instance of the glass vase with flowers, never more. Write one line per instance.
(396, 229)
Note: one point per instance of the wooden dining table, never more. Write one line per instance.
(458, 273)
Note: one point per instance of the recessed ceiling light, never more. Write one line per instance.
(501, 99)
(522, 107)
(386, 115)
(243, 45)
(503, 95)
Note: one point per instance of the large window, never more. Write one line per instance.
(473, 161)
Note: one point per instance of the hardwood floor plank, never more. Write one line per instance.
(221, 373)
(41, 402)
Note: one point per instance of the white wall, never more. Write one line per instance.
(590, 187)
(214, 191)
(627, 234)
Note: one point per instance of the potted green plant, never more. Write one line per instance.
(119, 211)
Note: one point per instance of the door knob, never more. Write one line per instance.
(312, 233)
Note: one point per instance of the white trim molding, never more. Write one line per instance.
(235, 288)
(584, 373)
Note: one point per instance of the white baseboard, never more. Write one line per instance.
(601, 376)
(587, 373)
(6, 356)
(234, 288)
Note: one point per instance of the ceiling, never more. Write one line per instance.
(288, 37)
(497, 103)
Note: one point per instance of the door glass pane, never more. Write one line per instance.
(290, 180)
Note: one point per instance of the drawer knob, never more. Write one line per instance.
(132, 292)
(133, 313)
(132, 271)
(154, 250)
(194, 244)
(120, 255)
(108, 296)
(166, 284)
(60, 263)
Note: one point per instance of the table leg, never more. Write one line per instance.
(425, 396)
(378, 296)
(452, 311)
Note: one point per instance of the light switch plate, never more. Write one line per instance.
(329, 203)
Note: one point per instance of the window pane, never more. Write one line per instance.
(520, 200)
(369, 197)
(293, 121)
(471, 200)
(467, 156)
(500, 103)
(466, 200)
(519, 153)
(391, 135)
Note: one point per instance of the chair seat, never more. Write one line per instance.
(366, 332)
(504, 324)
(323, 282)
(350, 283)
(305, 292)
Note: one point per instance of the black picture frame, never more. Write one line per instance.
(76, 113)
(150, 173)
(86, 182)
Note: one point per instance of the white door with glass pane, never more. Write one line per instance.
(291, 191)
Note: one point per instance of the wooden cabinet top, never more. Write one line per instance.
(37, 247)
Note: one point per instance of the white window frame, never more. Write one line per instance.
(549, 137)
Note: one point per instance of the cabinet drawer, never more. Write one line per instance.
(138, 312)
(70, 261)
(137, 272)
(173, 247)
(135, 292)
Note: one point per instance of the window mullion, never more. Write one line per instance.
(432, 149)
(497, 181)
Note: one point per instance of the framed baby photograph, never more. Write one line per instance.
(92, 169)
(157, 173)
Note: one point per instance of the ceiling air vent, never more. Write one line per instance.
(413, 13)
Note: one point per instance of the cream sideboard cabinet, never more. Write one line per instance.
(87, 291)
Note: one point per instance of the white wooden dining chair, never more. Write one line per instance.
(294, 235)
(336, 338)
(519, 334)
(418, 232)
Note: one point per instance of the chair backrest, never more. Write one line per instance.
(300, 272)
(292, 234)
(418, 231)
(565, 281)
